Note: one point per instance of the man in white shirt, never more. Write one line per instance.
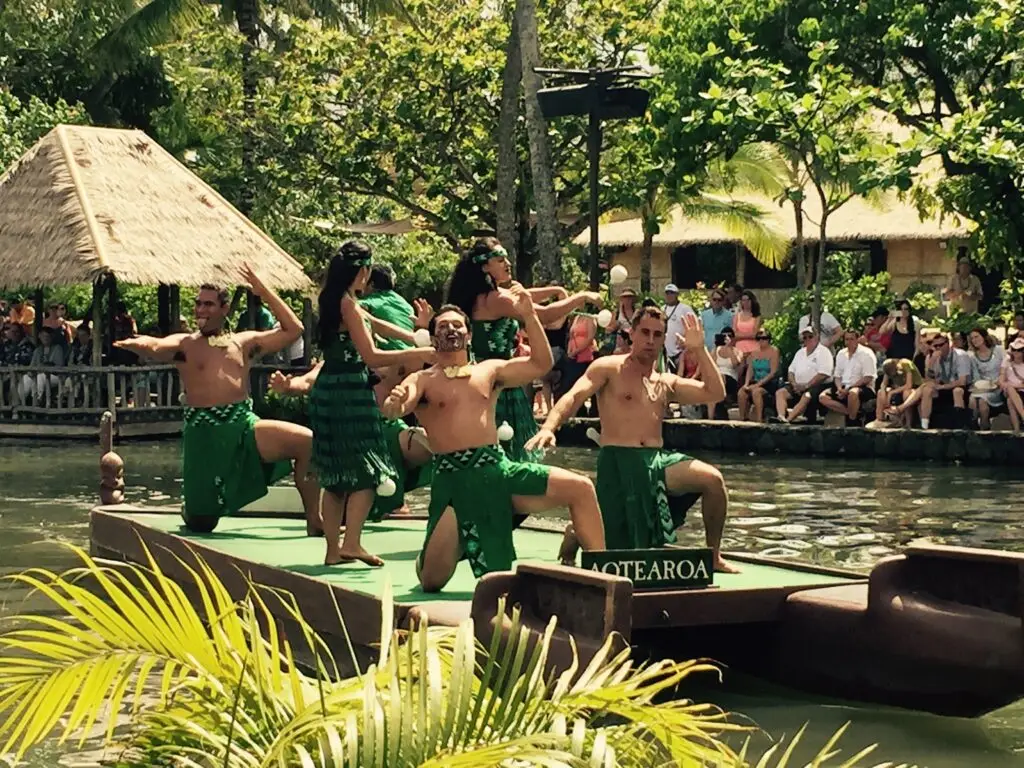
(809, 373)
(674, 314)
(855, 371)
(831, 328)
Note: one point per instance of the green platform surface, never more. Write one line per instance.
(282, 543)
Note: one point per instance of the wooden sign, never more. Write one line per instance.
(655, 568)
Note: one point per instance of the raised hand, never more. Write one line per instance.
(424, 312)
(253, 280)
(280, 383)
(693, 333)
(521, 298)
(394, 404)
(544, 438)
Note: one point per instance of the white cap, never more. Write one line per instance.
(671, 288)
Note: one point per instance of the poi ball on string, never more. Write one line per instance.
(604, 318)
(387, 488)
(594, 435)
(618, 274)
(421, 337)
(505, 432)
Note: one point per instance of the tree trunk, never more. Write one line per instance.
(540, 156)
(819, 273)
(798, 245)
(508, 160)
(247, 17)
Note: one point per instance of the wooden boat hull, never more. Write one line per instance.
(936, 628)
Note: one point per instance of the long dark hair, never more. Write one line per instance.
(755, 305)
(910, 315)
(469, 281)
(351, 257)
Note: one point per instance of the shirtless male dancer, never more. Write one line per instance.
(645, 491)
(478, 494)
(229, 456)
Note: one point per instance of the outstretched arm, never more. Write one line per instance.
(294, 385)
(353, 315)
(163, 350)
(257, 343)
(520, 371)
(559, 310)
(404, 398)
(592, 380)
(551, 292)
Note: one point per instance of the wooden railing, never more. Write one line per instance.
(138, 392)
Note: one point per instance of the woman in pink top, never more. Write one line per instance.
(1011, 380)
(746, 323)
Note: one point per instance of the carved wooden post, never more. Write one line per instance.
(111, 465)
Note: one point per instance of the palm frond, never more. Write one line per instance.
(754, 167)
(156, 22)
(745, 222)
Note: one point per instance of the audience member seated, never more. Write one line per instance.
(1011, 381)
(761, 378)
(900, 379)
(80, 356)
(37, 386)
(715, 318)
(831, 329)
(56, 322)
(853, 379)
(23, 313)
(729, 360)
(874, 337)
(904, 332)
(809, 373)
(986, 362)
(17, 347)
(1016, 328)
(944, 393)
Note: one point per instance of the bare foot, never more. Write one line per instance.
(314, 529)
(570, 546)
(361, 555)
(402, 511)
(723, 566)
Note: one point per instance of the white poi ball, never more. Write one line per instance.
(604, 318)
(505, 432)
(594, 435)
(421, 337)
(387, 488)
(618, 274)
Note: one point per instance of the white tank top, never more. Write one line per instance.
(725, 364)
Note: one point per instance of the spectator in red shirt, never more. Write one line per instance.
(873, 336)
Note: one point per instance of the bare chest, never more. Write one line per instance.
(202, 357)
(637, 394)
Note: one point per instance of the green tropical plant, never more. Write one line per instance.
(224, 687)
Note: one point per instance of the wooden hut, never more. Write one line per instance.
(101, 206)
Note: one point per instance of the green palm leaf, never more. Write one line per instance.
(745, 222)
(226, 691)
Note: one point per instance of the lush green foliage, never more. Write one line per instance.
(225, 689)
(22, 123)
(949, 71)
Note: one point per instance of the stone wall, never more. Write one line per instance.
(943, 445)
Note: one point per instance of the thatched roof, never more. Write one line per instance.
(85, 202)
(891, 219)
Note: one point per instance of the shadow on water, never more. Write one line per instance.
(831, 512)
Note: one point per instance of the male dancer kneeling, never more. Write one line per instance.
(644, 491)
(478, 495)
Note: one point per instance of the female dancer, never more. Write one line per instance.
(476, 290)
(351, 457)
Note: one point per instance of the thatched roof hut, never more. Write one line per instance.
(889, 220)
(86, 202)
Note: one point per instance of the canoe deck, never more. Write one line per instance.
(282, 543)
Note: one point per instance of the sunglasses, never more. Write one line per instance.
(761, 338)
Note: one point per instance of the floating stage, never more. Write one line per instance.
(936, 628)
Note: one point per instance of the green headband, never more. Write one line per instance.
(483, 258)
(363, 261)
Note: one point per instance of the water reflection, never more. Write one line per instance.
(835, 512)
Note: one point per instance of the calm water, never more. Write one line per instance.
(846, 513)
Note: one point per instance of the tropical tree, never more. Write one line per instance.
(823, 120)
(23, 123)
(224, 687)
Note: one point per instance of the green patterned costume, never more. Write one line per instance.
(479, 483)
(496, 339)
(221, 466)
(389, 306)
(637, 510)
(350, 452)
(409, 478)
